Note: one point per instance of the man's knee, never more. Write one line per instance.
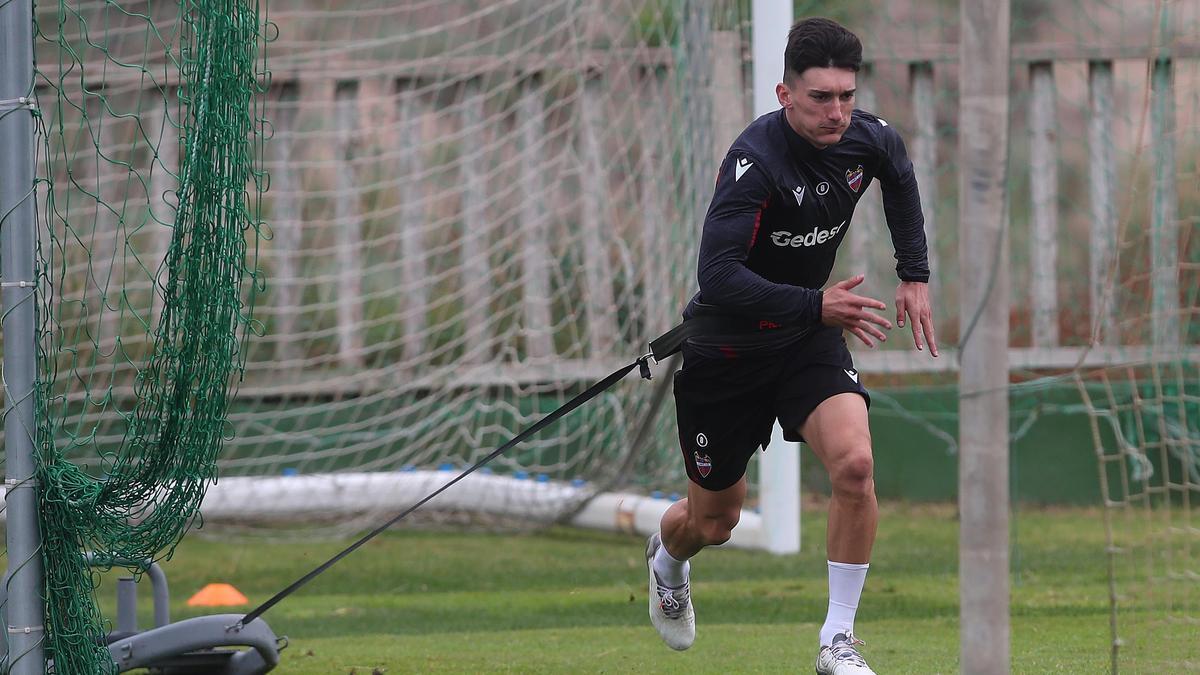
(716, 529)
(852, 474)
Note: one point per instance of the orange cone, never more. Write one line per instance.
(217, 595)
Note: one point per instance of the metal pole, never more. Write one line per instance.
(983, 497)
(24, 615)
(126, 606)
(779, 467)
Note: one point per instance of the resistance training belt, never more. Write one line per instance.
(660, 348)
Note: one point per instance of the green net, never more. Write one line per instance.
(151, 183)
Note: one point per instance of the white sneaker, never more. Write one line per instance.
(670, 607)
(841, 658)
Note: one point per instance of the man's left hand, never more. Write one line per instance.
(912, 298)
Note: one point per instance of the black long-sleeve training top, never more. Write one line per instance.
(781, 209)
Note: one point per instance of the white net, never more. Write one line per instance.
(1104, 210)
(478, 209)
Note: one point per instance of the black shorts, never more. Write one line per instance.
(727, 398)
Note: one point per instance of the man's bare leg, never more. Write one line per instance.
(704, 518)
(839, 435)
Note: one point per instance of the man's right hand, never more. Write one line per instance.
(840, 307)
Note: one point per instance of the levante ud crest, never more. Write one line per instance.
(854, 178)
(703, 464)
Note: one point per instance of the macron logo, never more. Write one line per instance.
(742, 165)
(817, 236)
(852, 373)
(799, 193)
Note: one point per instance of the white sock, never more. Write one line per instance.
(672, 572)
(845, 588)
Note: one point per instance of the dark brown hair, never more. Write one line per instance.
(820, 43)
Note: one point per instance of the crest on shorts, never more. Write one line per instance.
(854, 178)
(703, 464)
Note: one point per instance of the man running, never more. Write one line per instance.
(784, 197)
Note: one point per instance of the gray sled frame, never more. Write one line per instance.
(194, 646)
(204, 644)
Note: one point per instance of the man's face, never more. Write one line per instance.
(818, 103)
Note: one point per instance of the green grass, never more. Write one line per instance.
(575, 601)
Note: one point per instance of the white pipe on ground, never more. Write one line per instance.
(343, 495)
(299, 497)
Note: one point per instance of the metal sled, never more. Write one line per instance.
(204, 644)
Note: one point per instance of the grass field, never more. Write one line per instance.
(575, 601)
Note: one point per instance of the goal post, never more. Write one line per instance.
(780, 465)
(476, 210)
